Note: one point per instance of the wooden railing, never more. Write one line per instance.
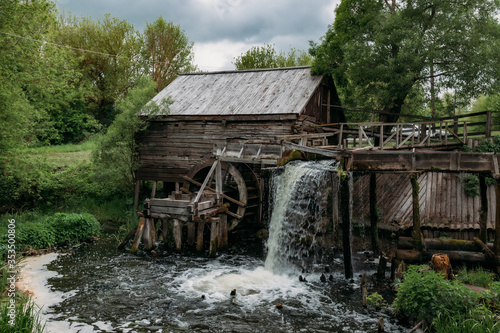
(478, 123)
(482, 123)
(374, 136)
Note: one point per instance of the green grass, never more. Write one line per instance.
(476, 277)
(63, 155)
(27, 317)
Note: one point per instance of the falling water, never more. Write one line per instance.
(300, 195)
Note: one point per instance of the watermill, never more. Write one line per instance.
(219, 192)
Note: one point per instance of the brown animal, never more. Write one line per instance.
(441, 264)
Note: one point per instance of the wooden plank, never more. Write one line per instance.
(167, 202)
(324, 152)
(169, 210)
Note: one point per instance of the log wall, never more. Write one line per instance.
(445, 209)
(172, 147)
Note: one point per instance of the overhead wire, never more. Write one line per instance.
(75, 48)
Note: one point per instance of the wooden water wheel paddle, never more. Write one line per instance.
(239, 185)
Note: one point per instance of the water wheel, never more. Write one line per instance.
(240, 183)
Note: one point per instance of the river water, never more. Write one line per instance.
(106, 290)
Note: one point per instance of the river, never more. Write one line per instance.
(102, 289)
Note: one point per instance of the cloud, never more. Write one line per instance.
(218, 27)
(219, 55)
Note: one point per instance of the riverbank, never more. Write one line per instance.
(32, 280)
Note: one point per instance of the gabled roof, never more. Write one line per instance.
(252, 92)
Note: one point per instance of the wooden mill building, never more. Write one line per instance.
(241, 111)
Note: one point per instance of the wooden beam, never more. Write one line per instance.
(200, 192)
(239, 203)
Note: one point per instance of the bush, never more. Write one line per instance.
(38, 235)
(470, 183)
(39, 231)
(73, 228)
(425, 295)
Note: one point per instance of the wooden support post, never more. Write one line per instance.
(165, 226)
(136, 193)
(152, 230)
(199, 236)
(177, 231)
(149, 234)
(214, 233)
(374, 214)
(153, 190)
(489, 123)
(191, 233)
(138, 234)
(146, 235)
(223, 231)
(483, 216)
(382, 265)
(417, 232)
(497, 220)
(346, 223)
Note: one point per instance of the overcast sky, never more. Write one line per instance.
(222, 29)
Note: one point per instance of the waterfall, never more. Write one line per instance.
(300, 195)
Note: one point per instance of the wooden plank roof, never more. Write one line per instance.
(252, 92)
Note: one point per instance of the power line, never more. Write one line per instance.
(75, 48)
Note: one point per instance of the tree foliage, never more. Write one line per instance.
(60, 75)
(267, 57)
(166, 51)
(380, 52)
(116, 157)
(107, 51)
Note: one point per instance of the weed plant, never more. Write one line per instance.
(477, 320)
(27, 317)
(477, 277)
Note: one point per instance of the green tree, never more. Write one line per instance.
(116, 157)
(107, 51)
(267, 57)
(22, 27)
(167, 51)
(379, 51)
